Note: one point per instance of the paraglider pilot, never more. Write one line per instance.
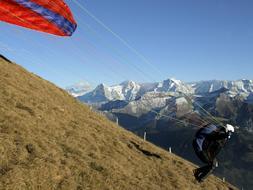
(208, 142)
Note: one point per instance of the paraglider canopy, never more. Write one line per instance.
(51, 16)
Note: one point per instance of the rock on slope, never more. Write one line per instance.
(49, 140)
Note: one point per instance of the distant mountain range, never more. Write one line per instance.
(130, 90)
(229, 100)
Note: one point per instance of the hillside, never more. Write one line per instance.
(49, 140)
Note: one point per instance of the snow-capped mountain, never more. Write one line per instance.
(79, 88)
(234, 87)
(173, 85)
(129, 90)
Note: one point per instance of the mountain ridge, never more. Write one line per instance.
(238, 87)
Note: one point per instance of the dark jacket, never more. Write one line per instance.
(210, 140)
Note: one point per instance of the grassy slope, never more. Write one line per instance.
(49, 140)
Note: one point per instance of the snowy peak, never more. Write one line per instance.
(130, 90)
(173, 85)
(99, 94)
(209, 86)
(127, 90)
(235, 87)
(103, 92)
(128, 86)
(242, 86)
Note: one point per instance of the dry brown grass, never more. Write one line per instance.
(49, 140)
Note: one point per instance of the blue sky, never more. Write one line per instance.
(189, 40)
